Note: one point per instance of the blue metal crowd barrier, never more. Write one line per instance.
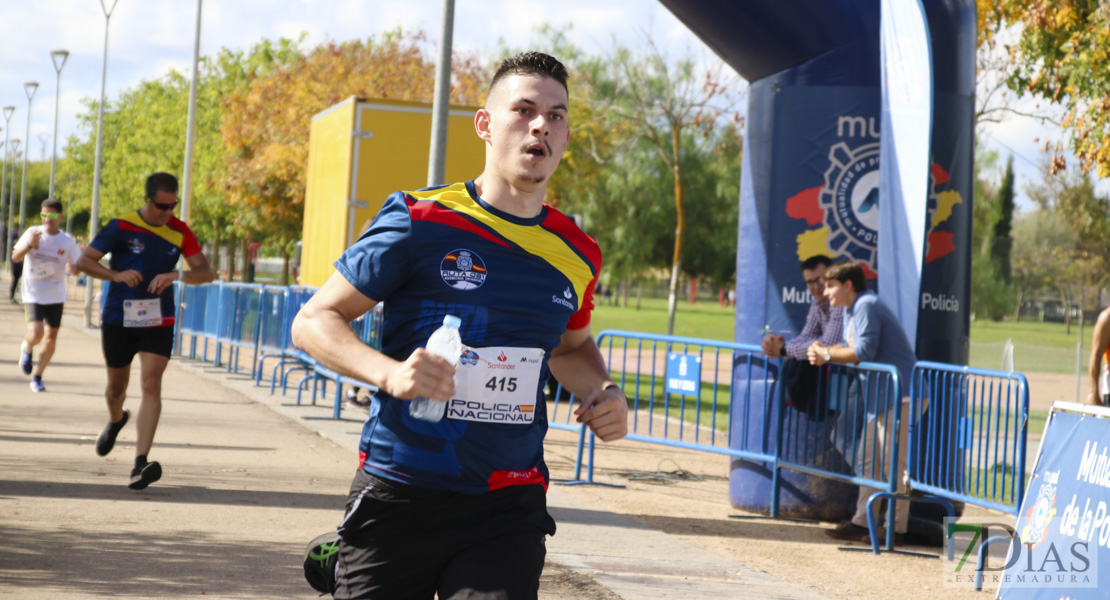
(968, 438)
(190, 317)
(298, 295)
(273, 334)
(637, 362)
(851, 434)
(239, 324)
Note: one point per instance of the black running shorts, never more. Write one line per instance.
(398, 541)
(121, 343)
(50, 313)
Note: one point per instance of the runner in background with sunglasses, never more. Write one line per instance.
(138, 316)
(48, 252)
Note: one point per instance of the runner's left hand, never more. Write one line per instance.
(161, 282)
(605, 412)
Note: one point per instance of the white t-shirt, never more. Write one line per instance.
(44, 270)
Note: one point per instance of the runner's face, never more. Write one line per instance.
(51, 222)
(160, 208)
(525, 123)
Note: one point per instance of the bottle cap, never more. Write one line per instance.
(452, 321)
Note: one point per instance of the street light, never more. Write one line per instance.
(30, 87)
(94, 216)
(59, 57)
(8, 110)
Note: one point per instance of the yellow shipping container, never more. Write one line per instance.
(360, 151)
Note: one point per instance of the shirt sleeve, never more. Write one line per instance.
(834, 328)
(105, 238)
(378, 263)
(24, 240)
(867, 330)
(189, 244)
(797, 347)
(581, 318)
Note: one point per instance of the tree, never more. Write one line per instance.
(1061, 55)
(1002, 244)
(991, 295)
(266, 126)
(1044, 241)
(1071, 197)
(144, 132)
(713, 186)
(663, 99)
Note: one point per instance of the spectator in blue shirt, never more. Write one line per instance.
(872, 334)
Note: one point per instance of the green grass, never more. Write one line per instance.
(1051, 335)
(704, 320)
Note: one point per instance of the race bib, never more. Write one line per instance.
(142, 313)
(496, 385)
(42, 271)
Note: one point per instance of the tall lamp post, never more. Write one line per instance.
(94, 217)
(30, 87)
(8, 110)
(11, 187)
(59, 57)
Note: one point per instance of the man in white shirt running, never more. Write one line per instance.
(49, 253)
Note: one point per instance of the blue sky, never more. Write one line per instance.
(149, 37)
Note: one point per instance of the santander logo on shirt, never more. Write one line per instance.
(565, 300)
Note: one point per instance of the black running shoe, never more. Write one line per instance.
(107, 438)
(145, 475)
(319, 562)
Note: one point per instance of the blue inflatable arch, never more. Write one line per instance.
(814, 114)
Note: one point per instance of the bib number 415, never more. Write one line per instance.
(501, 384)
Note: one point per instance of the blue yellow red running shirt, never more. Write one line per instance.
(135, 244)
(514, 282)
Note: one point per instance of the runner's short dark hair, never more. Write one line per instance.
(817, 259)
(848, 271)
(52, 203)
(531, 63)
(160, 182)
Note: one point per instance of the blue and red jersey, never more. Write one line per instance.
(513, 282)
(135, 244)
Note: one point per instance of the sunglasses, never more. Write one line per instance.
(164, 206)
(50, 215)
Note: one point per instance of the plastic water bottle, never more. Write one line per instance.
(447, 343)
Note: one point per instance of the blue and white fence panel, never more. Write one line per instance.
(968, 436)
(851, 434)
(681, 394)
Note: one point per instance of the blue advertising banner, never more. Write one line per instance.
(1064, 525)
(907, 122)
(683, 374)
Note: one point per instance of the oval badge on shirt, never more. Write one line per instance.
(463, 269)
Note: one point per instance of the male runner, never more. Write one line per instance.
(48, 252)
(457, 507)
(139, 315)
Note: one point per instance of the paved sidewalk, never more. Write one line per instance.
(248, 479)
